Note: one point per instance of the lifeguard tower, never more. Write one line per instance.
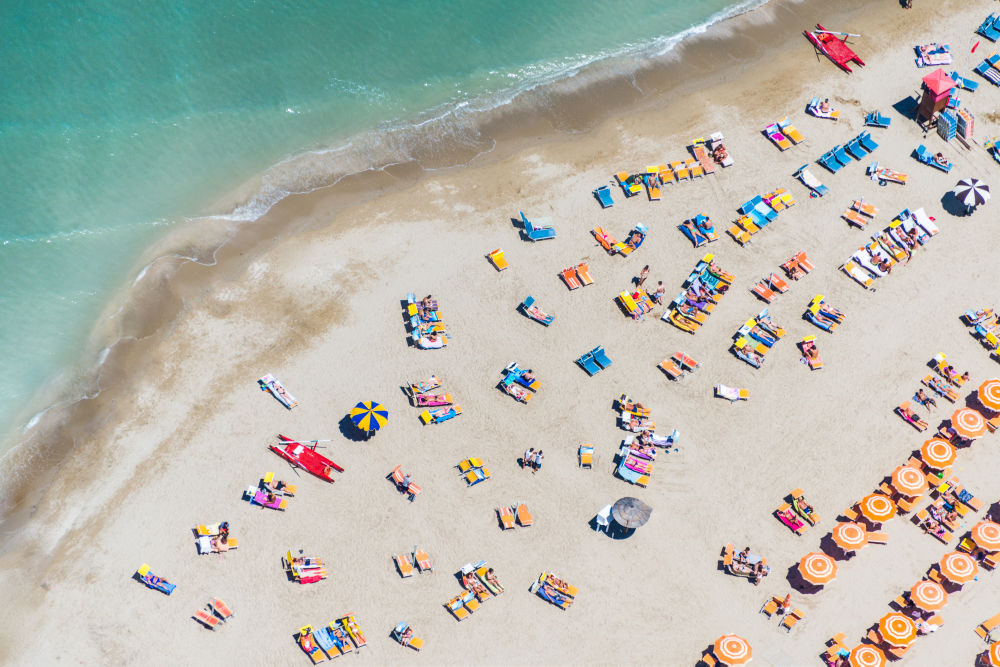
(937, 87)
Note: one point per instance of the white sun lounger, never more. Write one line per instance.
(864, 261)
(924, 220)
(853, 270)
(273, 385)
(732, 393)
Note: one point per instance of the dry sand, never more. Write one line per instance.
(320, 310)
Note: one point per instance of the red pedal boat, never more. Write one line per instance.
(834, 48)
(306, 457)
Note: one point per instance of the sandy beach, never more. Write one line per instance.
(185, 429)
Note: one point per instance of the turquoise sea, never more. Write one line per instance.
(120, 120)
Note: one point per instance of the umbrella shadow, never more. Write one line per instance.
(952, 206)
(350, 431)
(828, 546)
(907, 107)
(613, 530)
(796, 581)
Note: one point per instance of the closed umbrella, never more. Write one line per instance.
(989, 394)
(866, 655)
(937, 453)
(850, 536)
(732, 650)
(877, 507)
(972, 192)
(897, 629)
(817, 568)
(909, 481)
(986, 535)
(369, 416)
(968, 423)
(928, 595)
(959, 567)
(630, 512)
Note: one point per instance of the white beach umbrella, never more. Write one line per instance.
(972, 192)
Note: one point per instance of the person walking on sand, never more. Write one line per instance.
(538, 461)
(643, 275)
(529, 458)
(659, 293)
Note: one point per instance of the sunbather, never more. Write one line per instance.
(492, 578)
(696, 233)
(924, 399)
(793, 270)
(750, 354)
(220, 543)
(941, 159)
(981, 315)
(809, 351)
(824, 106)
(517, 392)
(473, 584)
(635, 239)
(909, 415)
(763, 335)
(936, 385)
(804, 509)
(744, 555)
(759, 572)
(932, 526)
(820, 317)
(553, 596)
(791, 519)
(716, 271)
(880, 262)
(636, 424)
(527, 375)
(767, 324)
(405, 636)
(557, 582)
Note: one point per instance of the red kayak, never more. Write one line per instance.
(306, 457)
(833, 48)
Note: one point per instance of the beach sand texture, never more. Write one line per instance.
(321, 311)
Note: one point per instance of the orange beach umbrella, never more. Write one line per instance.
(928, 595)
(909, 481)
(994, 654)
(937, 453)
(850, 536)
(986, 535)
(732, 649)
(989, 394)
(877, 507)
(959, 567)
(897, 629)
(817, 568)
(866, 655)
(968, 423)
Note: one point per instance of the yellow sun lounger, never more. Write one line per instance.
(404, 565)
(496, 256)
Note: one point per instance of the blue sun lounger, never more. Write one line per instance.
(988, 28)
(841, 156)
(603, 195)
(600, 357)
(830, 162)
(875, 119)
(587, 363)
(866, 141)
(967, 84)
(810, 181)
(537, 232)
(988, 72)
(854, 149)
(927, 158)
(528, 302)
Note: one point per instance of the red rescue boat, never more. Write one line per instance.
(834, 48)
(306, 457)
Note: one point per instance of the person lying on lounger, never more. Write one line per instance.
(924, 399)
(473, 584)
(492, 578)
(767, 336)
(517, 392)
(912, 417)
(750, 354)
(981, 315)
(536, 312)
(941, 159)
(405, 636)
(938, 387)
(527, 375)
(824, 106)
(810, 352)
(880, 262)
(822, 318)
(636, 424)
(220, 543)
(552, 595)
(768, 325)
(716, 271)
(791, 519)
(804, 509)
(635, 239)
(719, 153)
(696, 232)
(759, 572)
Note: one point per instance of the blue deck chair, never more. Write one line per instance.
(600, 357)
(536, 234)
(853, 147)
(765, 211)
(587, 363)
(866, 141)
(691, 236)
(962, 82)
(841, 156)
(875, 119)
(988, 28)
(603, 195)
(828, 161)
(988, 73)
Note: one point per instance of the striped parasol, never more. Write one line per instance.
(897, 629)
(866, 655)
(369, 416)
(989, 394)
(928, 595)
(850, 536)
(877, 507)
(959, 567)
(986, 534)
(909, 481)
(732, 649)
(968, 423)
(972, 191)
(937, 453)
(994, 654)
(817, 568)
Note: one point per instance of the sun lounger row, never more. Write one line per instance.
(403, 634)
(985, 325)
(769, 288)
(473, 471)
(339, 638)
(699, 230)
(890, 246)
(822, 109)
(303, 569)
(216, 538)
(706, 158)
(635, 462)
(265, 497)
(783, 134)
(407, 563)
(757, 213)
(533, 312)
(613, 246)
(779, 199)
(678, 366)
(554, 590)
(703, 289)
(635, 304)
(928, 158)
(823, 315)
(756, 337)
(859, 213)
(514, 376)
(837, 157)
(798, 266)
(884, 174)
(427, 329)
(594, 361)
(480, 584)
(989, 69)
(215, 612)
(574, 277)
(517, 512)
(810, 181)
(933, 54)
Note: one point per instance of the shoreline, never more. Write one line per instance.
(316, 302)
(150, 302)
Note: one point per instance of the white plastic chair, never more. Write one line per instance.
(603, 518)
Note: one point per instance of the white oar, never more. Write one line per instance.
(833, 32)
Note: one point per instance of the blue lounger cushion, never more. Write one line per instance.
(587, 362)
(600, 357)
(603, 195)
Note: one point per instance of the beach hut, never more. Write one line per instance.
(936, 87)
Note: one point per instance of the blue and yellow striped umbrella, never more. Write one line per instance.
(369, 416)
